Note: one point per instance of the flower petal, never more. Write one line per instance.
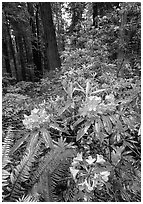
(78, 157)
(90, 160)
(74, 172)
(105, 175)
(100, 159)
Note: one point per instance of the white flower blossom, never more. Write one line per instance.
(74, 172)
(100, 159)
(90, 160)
(105, 175)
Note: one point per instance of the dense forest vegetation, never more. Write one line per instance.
(71, 101)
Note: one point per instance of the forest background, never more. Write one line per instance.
(71, 101)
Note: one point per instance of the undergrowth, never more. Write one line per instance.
(82, 146)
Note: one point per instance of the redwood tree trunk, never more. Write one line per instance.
(29, 57)
(21, 51)
(121, 50)
(50, 36)
(34, 23)
(95, 14)
(5, 55)
(11, 51)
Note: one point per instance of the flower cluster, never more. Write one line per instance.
(89, 173)
(37, 118)
(95, 105)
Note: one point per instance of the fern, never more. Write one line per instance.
(6, 159)
(21, 172)
(52, 170)
(6, 147)
(29, 198)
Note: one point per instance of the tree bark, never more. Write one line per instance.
(5, 58)
(22, 57)
(60, 27)
(121, 50)
(95, 14)
(11, 51)
(35, 42)
(29, 57)
(50, 36)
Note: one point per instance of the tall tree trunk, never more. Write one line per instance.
(121, 50)
(60, 27)
(39, 54)
(95, 14)
(5, 58)
(29, 57)
(21, 51)
(11, 52)
(50, 36)
(34, 23)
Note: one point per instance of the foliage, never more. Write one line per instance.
(26, 173)
(89, 174)
(103, 124)
(79, 127)
(14, 106)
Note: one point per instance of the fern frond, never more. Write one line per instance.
(52, 170)
(52, 159)
(6, 147)
(6, 160)
(22, 171)
(29, 198)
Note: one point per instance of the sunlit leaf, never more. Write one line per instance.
(83, 131)
(101, 136)
(79, 87)
(139, 131)
(110, 98)
(57, 127)
(107, 124)
(70, 89)
(19, 143)
(63, 109)
(78, 122)
(98, 91)
(97, 127)
(116, 154)
(113, 119)
(47, 138)
(87, 87)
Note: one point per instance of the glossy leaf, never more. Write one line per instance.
(19, 143)
(87, 88)
(57, 127)
(107, 124)
(83, 131)
(78, 122)
(113, 119)
(116, 154)
(47, 138)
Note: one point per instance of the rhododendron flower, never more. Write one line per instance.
(100, 159)
(74, 172)
(104, 175)
(86, 185)
(34, 111)
(36, 118)
(100, 178)
(90, 160)
(78, 157)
